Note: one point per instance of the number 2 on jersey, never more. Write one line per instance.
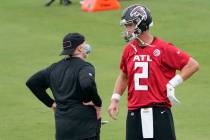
(139, 76)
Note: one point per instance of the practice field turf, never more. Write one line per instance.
(30, 39)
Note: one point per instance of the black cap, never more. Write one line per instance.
(70, 42)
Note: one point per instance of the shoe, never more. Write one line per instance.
(67, 2)
(49, 3)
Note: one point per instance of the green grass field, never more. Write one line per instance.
(30, 39)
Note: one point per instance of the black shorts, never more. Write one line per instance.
(163, 125)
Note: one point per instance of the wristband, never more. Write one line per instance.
(176, 80)
(116, 96)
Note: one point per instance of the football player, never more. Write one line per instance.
(148, 70)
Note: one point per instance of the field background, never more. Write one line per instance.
(30, 39)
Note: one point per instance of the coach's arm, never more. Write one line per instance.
(38, 84)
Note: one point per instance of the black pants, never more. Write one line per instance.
(72, 124)
(93, 138)
(163, 125)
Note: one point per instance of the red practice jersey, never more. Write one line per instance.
(149, 69)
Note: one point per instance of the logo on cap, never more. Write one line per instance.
(67, 44)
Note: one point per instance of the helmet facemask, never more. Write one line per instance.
(130, 34)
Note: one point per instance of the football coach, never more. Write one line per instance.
(76, 102)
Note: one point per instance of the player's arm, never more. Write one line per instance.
(189, 69)
(120, 86)
(186, 72)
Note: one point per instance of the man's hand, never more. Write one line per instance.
(171, 94)
(98, 112)
(53, 106)
(98, 109)
(113, 109)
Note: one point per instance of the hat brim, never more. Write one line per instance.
(67, 52)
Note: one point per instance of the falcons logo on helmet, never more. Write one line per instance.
(139, 11)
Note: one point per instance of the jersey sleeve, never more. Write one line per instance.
(174, 57)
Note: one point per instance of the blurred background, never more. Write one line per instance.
(30, 40)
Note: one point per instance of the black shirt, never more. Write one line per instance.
(70, 80)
